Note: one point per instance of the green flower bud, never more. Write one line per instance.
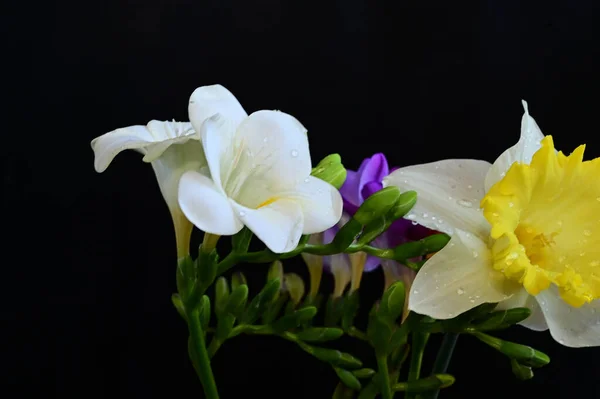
(294, 285)
(364, 373)
(238, 279)
(503, 319)
(176, 299)
(237, 300)
(319, 334)
(521, 353)
(295, 319)
(261, 301)
(204, 312)
(221, 294)
(432, 383)
(331, 170)
(392, 302)
(377, 205)
(348, 379)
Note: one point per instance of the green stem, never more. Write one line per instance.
(200, 355)
(419, 340)
(442, 360)
(356, 333)
(384, 377)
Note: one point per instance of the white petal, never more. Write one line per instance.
(449, 193)
(217, 140)
(207, 101)
(170, 133)
(205, 206)
(458, 278)
(573, 327)
(321, 204)
(270, 156)
(523, 151)
(279, 225)
(521, 299)
(107, 146)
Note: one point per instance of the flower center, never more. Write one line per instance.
(545, 220)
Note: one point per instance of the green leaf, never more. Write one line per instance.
(503, 319)
(294, 319)
(349, 309)
(206, 265)
(431, 383)
(333, 310)
(294, 285)
(348, 378)
(364, 373)
(380, 332)
(237, 300)
(331, 170)
(274, 308)
(241, 241)
(521, 372)
(261, 301)
(377, 205)
(523, 354)
(238, 279)
(392, 302)
(221, 295)
(319, 334)
(346, 235)
(176, 299)
(335, 357)
(204, 312)
(224, 326)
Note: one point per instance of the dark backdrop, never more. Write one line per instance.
(89, 264)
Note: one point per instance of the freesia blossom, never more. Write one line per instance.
(258, 176)
(534, 243)
(171, 148)
(360, 185)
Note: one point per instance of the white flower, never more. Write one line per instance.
(535, 243)
(258, 175)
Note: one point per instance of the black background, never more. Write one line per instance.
(89, 266)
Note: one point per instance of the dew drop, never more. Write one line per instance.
(561, 259)
(450, 198)
(511, 204)
(410, 216)
(469, 186)
(415, 292)
(477, 296)
(582, 253)
(587, 233)
(512, 255)
(306, 180)
(460, 291)
(594, 263)
(598, 199)
(242, 214)
(559, 223)
(425, 215)
(414, 223)
(265, 140)
(294, 153)
(495, 214)
(465, 203)
(529, 230)
(450, 315)
(472, 300)
(440, 221)
(475, 254)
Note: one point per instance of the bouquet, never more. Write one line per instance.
(466, 247)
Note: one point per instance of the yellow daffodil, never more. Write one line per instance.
(525, 233)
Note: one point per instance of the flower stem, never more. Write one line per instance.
(200, 355)
(209, 242)
(419, 340)
(384, 377)
(442, 360)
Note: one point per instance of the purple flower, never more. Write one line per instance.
(361, 184)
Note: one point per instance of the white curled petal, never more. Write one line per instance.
(521, 299)
(449, 193)
(278, 225)
(207, 101)
(458, 278)
(321, 204)
(217, 141)
(523, 151)
(573, 327)
(270, 155)
(177, 133)
(206, 206)
(107, 146)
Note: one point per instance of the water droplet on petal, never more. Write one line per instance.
(265, 140)
(306, 180)
(414, 223)
(582, 253)
(587, 233)
(440, 221)
(472, 300)
(294, 153)
(425, 215)
(561, 259)
(460, 291)
(598, 199)
(469, 186)
(511, 204)
(475, 254)
(410, 216)
(594, 263)
(465, 203)
(242, 214)
(415, 292)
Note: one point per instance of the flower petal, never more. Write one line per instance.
(449, 193)
(573, 327)
(523, 151)
(171, 133)
(107, 146)
(278, 225)
(458, 278)
(321, 204)
(207, 101)
(349, 190)
(521, 299)
(205, 206)
(271, 155)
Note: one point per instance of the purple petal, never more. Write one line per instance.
(372, 263)
(373, 171)
(370, 188)
(350, 189)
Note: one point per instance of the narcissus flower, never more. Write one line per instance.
(525, 233)
(171, 148)
(258, 175)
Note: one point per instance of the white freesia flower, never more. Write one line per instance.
(172, 148)
(258, 175)
(535, 243)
